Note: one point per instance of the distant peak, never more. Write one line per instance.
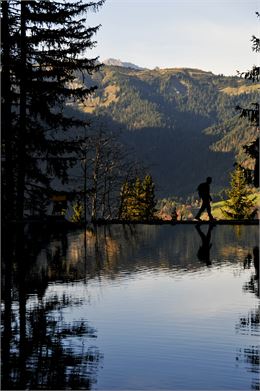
(119, 63)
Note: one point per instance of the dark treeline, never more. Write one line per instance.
(43, 45)
(50, 153)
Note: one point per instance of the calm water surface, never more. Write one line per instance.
(140, 307)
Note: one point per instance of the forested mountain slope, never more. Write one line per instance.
(182, 122)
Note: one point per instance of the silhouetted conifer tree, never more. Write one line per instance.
(44, 60)
(253, 74)
(252, 114)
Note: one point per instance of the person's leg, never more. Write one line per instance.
(202, 208)
(208, 207)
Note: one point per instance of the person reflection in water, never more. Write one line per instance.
(253, 284)
(256, 265)
(203, 253)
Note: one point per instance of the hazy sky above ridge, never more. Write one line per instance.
(213, 35)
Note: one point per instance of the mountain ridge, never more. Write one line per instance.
(175, 119)
(119, 63)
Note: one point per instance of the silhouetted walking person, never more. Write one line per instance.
(203, 253)
(204, 194)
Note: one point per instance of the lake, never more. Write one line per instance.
(134, 307)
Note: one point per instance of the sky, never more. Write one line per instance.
(212, 35)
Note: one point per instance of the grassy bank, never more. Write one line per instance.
(218, 206)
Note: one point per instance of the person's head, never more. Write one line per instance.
(209, 179)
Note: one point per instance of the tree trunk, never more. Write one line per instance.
(8, 169)
(95, 184)
(22, 127)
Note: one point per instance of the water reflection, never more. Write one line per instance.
(48, 342)
(250, 323)
(39, 349)
(115, 251)
(40, 355)
(203, 253)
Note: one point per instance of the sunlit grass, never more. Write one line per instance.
(244, 89)
(218, 206)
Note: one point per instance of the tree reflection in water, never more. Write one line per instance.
(39, 349)
(250, 324)
(48, 352)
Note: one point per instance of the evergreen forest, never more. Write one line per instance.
(182, 123)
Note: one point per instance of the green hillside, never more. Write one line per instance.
(181, 122)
